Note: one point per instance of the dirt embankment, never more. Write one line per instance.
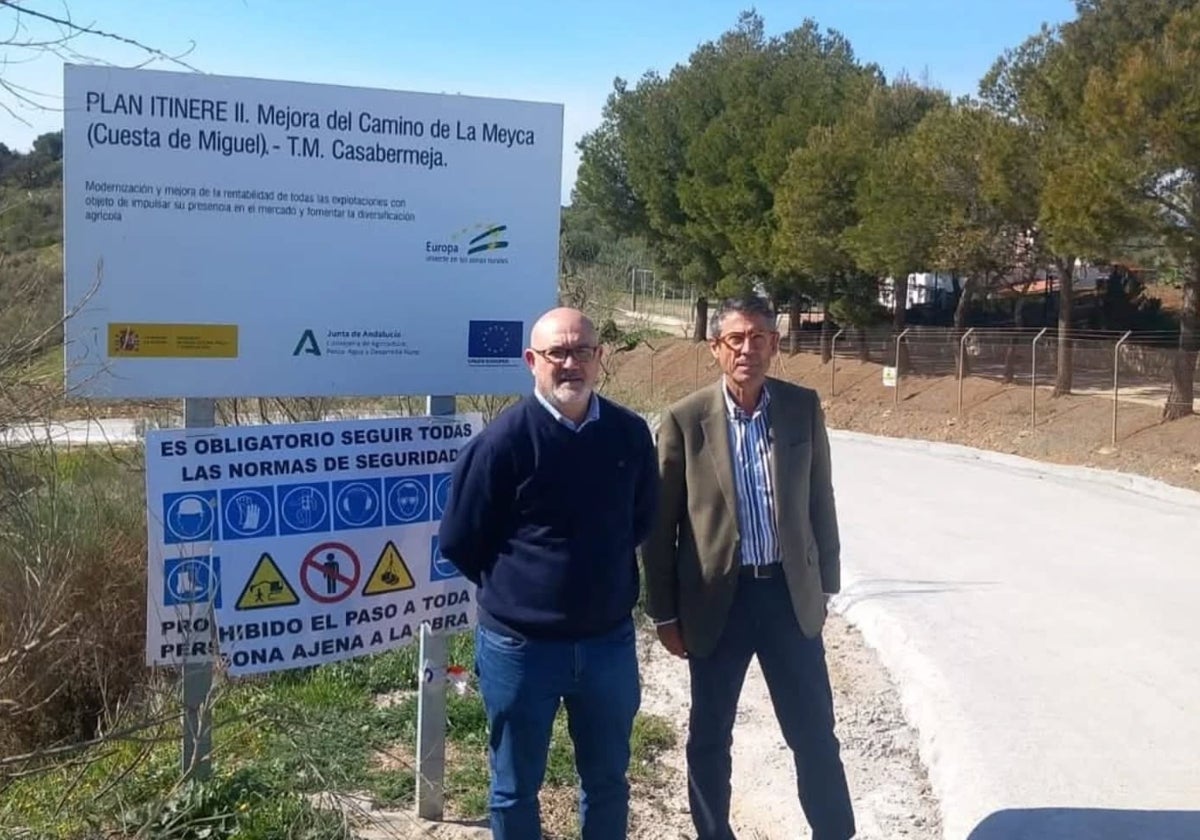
(1073, 429)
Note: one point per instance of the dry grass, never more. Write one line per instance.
(72, 549)
(72, 595)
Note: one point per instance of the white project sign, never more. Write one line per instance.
(239, 237)
(305, 543)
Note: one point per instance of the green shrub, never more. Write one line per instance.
(241, 804)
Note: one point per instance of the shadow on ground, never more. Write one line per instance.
(1088, 824)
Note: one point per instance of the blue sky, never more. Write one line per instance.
(564, 51)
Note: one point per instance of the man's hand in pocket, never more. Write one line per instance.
(672, 639)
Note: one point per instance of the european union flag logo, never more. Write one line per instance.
(495, 339)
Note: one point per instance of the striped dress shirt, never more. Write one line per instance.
(750, 448)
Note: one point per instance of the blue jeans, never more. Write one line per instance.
(522, 683)
(761, 623)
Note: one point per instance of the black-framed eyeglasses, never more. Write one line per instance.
(559, 355)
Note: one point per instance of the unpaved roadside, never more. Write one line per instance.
(892, 796)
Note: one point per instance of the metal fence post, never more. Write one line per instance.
(431, 700)
(962, 349)
(197, 676)
(833, 362)
(1116, 382)
(1033, 380)
(899, 338)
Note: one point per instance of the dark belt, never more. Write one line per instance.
(762, 572)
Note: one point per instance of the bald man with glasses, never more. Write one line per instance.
(547, 507)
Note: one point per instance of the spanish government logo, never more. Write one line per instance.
(172, 341)
(126, 341)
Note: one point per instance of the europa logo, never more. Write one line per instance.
(483, 237)
(470, 244)
(491, 239)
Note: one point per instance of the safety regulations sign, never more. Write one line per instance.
(229, 236)
(281, 546)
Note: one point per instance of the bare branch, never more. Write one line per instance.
(1180, 211)
(67, 749)
(30, 646)
(71, 28)
(23, 41)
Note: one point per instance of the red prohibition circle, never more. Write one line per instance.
(310, 563)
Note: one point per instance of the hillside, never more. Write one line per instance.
(1074, 429)
(31, 247)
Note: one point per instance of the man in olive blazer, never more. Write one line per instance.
(692, 559)
(742, 559)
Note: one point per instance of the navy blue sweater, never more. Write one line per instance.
(546, 520)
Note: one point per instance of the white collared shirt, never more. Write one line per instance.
(750, 449)
(592, 414)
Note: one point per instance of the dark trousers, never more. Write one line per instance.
(761, 622)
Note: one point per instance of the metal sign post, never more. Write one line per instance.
(833, 363)
(899, 376)
(431, 699)
(1033, 380)
(962, 366)
(1117, 382)
(197, 676)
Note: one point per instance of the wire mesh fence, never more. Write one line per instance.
(652, 362)
(1124, 367)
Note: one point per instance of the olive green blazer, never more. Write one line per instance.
(692, 557)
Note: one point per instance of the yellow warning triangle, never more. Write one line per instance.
(267, 587)
(390, 574)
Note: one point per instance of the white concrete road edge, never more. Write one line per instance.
(1041, 470)
(1040, 622)
(116, 431)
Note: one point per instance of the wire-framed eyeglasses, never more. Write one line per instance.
(758, 339)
